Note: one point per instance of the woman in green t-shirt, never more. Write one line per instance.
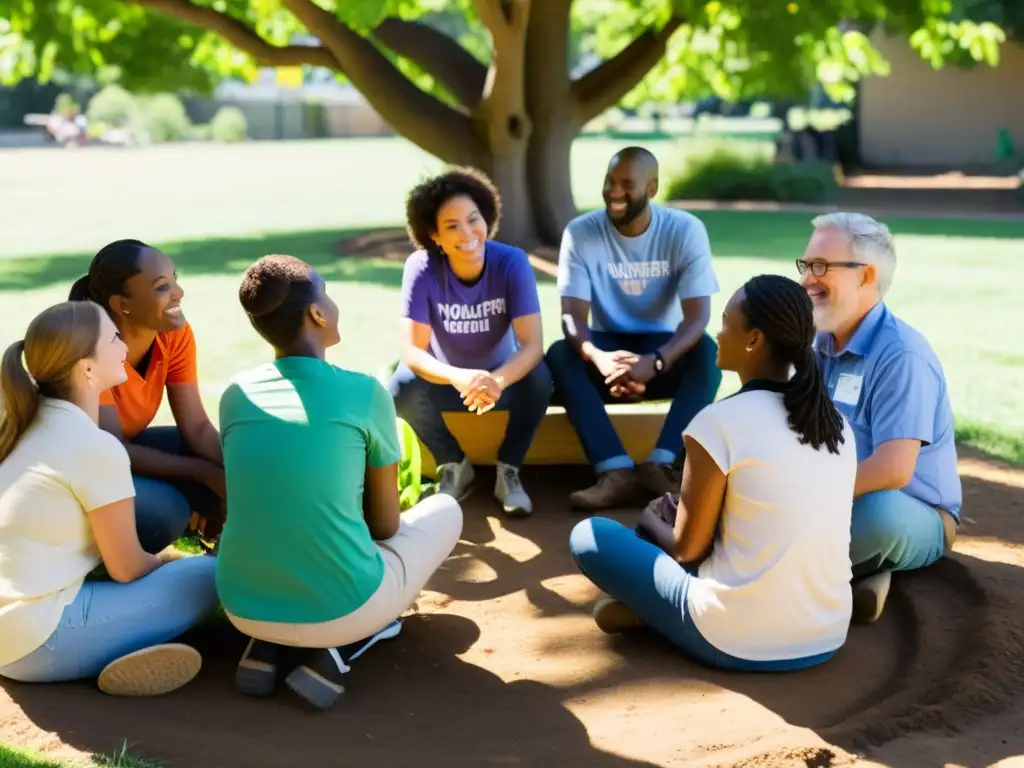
(314, 554)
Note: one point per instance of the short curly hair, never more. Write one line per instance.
(427, 197)
(275, 293)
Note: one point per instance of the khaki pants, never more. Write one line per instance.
(426, 536)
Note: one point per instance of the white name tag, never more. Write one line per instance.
(848, 389)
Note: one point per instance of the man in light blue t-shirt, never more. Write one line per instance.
(886, 379)
(642, 275)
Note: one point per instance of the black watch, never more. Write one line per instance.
(659, 362)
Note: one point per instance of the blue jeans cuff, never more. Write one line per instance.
(615, 462)
(661, 456)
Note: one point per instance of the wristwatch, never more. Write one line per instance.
(659, 362)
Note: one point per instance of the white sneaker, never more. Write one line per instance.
(869, 596)
(508, 489)
(456, 480)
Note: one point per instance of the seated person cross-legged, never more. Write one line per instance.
(315, 555)
(472, 334)
(643, 274)
(178, 470)
(749, 569)
(66, 507)
(887, 380)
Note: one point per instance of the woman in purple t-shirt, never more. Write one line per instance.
(471, 331)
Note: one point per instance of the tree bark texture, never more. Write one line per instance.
(516, 117)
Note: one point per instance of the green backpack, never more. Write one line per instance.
(410, 480)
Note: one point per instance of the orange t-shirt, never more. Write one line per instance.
(171, 361)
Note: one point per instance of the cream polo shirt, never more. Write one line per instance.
(63, 467)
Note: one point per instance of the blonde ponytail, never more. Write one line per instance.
(20, 398)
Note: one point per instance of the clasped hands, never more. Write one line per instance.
(625, 373)
(480, 390)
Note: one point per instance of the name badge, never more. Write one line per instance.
(848, 389)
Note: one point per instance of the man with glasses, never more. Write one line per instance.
(886, 379)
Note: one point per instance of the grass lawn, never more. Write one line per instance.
(16, 758)
(216, 209)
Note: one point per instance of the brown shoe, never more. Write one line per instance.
(612, 489)
(613, 617)
(659, 479)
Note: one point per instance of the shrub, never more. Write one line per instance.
(164, 118)
(200, 132)
(725, 174)
(65, 102)
(229, 124)
(113, 106)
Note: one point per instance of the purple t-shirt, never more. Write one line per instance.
(471, 323)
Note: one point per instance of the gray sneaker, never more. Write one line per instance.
(508, 489)
(456, 480)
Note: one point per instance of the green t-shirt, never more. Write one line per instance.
(298, 435)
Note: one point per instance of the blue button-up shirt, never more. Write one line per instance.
(890, 386)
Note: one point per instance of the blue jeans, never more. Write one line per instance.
(691, 384)
(420, 403)
(642, 576)
(163, 507)
(108, 620)
(891, 531)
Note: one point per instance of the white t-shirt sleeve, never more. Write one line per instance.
(697, 276)
(708, 429)
(102, 473)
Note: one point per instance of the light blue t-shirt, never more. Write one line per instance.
(888, 382)
(636, 284)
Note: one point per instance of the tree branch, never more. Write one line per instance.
(242, 36)
(415, 114)
(607, 83)
(437, 54)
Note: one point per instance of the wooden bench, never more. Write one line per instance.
(637, 424)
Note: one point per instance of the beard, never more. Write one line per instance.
(633, 209)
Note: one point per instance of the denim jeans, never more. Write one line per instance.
(108, 620)
(421, 403)
(691, 384)
(891, 531)
(163, 507)
(642, 576)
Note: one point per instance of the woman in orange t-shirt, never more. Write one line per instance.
(177, 469)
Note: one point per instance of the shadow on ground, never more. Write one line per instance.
(214, 256)
(501, 665)
(780, 235)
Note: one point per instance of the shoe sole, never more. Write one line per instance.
(316, 690)
(255, 678)
(151, 671)
(613, 617)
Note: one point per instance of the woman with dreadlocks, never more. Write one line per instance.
(749, 568)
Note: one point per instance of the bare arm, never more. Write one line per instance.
(113, 527)
(575, 325)
(381, 508)
(416, 355)
(530, 333)
(890, 467)
(700, 504)
(696, 315)
(196, 428)
(149, 461)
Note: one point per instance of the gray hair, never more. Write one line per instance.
(870, 240)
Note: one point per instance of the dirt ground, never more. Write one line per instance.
(500, 664)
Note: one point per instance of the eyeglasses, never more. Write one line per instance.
(819, 268)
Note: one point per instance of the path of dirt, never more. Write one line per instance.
(500, 664)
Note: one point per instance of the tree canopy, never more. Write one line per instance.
(504, 85)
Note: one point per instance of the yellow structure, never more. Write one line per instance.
(638, 426)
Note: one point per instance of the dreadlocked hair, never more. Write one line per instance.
(782, 311)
